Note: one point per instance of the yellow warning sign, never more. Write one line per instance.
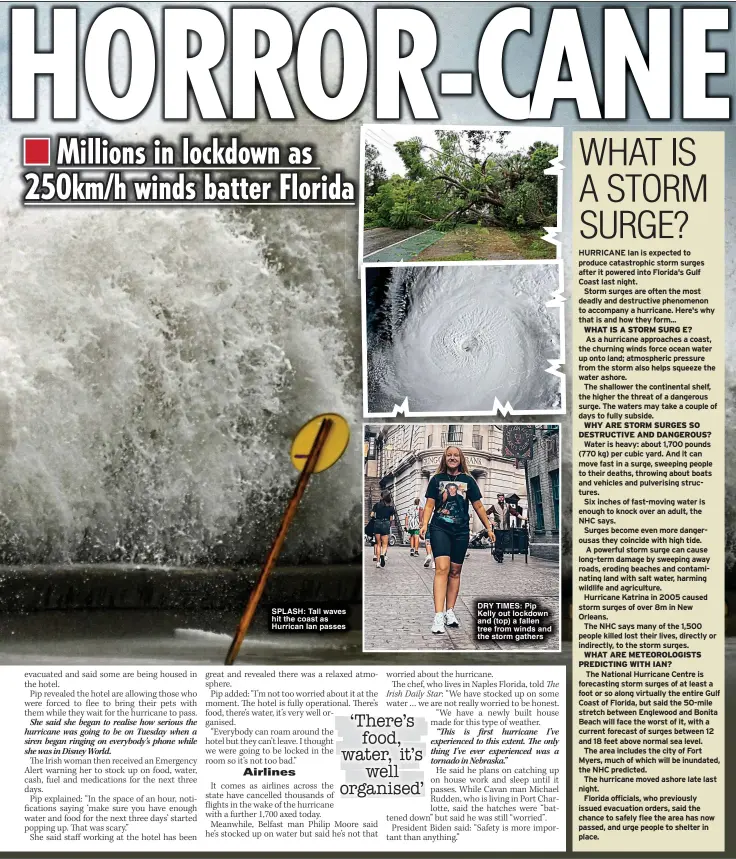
(334, 447)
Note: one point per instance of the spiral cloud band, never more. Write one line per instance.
(456, 339)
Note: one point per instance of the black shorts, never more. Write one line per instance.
(383, 527)
(446, 543)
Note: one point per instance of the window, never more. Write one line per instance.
(455, 434)
(429, 440)
(537, 501)
(554, 479)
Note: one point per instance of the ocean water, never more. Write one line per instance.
(155, 365)
(456, 339)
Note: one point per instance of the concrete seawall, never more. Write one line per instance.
(77, 587)
(42, 588)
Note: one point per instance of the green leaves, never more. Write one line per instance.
(374, 174)
(468, 177)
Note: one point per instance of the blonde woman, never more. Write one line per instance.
(450, 493)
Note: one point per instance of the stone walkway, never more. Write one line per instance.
(398, 610)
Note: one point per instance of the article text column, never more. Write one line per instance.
(648, 466)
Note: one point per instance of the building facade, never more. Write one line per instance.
(403, 457)
(543, 473)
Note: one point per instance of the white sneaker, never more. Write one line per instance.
(450, 619)
(427, 560)
(438, 627)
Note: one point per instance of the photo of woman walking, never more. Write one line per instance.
(383, 512)
(446, 513)
(450, 474)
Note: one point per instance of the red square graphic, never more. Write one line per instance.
(36, 151)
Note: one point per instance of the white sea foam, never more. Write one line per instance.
(202, 635)
(154, 365)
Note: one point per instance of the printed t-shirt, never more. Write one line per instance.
(452, 495)
(413, 517)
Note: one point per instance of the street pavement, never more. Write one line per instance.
(403, 250)
(398, 610)
(381, 237)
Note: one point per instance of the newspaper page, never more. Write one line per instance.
(365, 409)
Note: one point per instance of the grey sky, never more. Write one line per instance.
(383, 138)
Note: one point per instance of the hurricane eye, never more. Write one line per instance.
(469, 336)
